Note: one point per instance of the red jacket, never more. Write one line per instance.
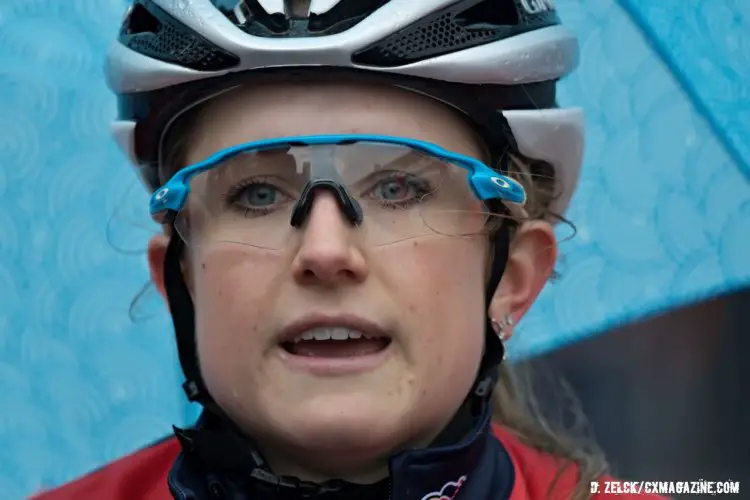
(143, 476)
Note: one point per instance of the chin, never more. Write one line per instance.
(347, 423)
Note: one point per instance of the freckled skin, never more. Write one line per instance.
(428, 291)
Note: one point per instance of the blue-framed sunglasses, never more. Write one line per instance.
(257, 193)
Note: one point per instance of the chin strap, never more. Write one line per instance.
(183, 319)
(494, 350)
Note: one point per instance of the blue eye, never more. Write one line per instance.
(394, 189)
(255, 197)
(400, 190)
(259, 194)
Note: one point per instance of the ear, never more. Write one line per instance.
(157, 251)
(531, 261)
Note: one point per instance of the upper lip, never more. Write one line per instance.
(299, 326)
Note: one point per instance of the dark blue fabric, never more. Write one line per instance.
(213, 465)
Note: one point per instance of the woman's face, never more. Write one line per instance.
(425, 293)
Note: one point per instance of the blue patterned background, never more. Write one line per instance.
(663, 214)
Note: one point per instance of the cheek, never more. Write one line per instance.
(229, 313)
(441, 284)
(442, 279)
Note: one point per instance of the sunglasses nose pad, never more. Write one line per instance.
(349, 206)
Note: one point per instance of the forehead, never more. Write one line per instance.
(311, 108)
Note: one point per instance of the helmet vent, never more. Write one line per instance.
(296, 21)
(344, 15)
(459, 26)
(297, 9)
(140, 20)
(252, 18)
(492, 13)
(240, 14)
(151, 31)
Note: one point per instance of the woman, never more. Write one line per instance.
(341, 265)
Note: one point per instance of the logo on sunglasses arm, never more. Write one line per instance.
(500, 182)
(449, 491)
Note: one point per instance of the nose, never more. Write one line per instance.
(327, 252)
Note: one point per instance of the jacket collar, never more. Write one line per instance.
(215, 463)
(477, 467)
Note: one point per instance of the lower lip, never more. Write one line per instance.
(333, 367)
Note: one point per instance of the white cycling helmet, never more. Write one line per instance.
(495, 61)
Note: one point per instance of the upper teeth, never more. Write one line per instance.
(331, 333)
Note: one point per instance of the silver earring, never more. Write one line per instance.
(500, 328)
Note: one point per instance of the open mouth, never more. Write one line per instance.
(335, 342)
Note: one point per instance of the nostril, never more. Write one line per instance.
(309, 274)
